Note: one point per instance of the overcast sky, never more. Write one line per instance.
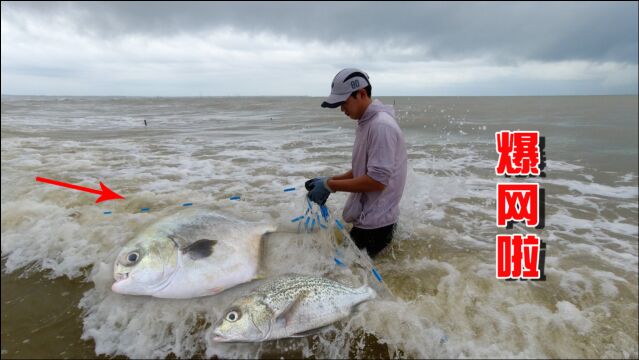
(222, 49)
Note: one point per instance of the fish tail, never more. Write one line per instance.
(368, 292)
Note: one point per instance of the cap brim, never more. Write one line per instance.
(335, 100)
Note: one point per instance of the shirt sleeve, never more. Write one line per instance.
(382, 146)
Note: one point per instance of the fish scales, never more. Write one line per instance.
(288, 306)
(190, 254)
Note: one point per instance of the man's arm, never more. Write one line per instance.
(359, 184)
(344, 176)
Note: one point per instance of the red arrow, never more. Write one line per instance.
(105, 194)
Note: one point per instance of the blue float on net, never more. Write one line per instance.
(107, 213)
(187, 204)
(234, 198)
(339, 263)
(339, 224)
(144, 210)
(324, 210)
(377, 275)
(298, 218)
(289, 189)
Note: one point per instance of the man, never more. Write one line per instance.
(378, 173)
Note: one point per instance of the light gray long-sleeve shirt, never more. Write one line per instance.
(379, 152)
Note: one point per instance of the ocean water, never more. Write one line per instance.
(58, 246)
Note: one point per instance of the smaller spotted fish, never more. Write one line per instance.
(288, 306)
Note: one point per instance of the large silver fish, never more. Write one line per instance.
(288, 306)
(190, 254)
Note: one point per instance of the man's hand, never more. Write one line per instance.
(318, 190)
(309, 184)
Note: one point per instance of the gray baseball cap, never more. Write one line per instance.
(344, 83)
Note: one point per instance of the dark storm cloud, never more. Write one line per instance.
(502, 32)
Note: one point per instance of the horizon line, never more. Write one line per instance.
(312, 96)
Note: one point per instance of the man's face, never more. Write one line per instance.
(354, 107)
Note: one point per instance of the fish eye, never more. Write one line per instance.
(133, 257)
(233, 316)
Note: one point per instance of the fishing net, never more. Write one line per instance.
(335, 245)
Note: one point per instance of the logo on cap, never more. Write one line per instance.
(347, 81)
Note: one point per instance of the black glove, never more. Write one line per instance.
(309, 184)
(318, 190)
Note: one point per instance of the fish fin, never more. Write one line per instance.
(259, 276)
(260, 257)
(261, 272)
(179, 241)
(369, 292)
(287, 313)
(200, 249)
(216, 290)
(309, 332)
